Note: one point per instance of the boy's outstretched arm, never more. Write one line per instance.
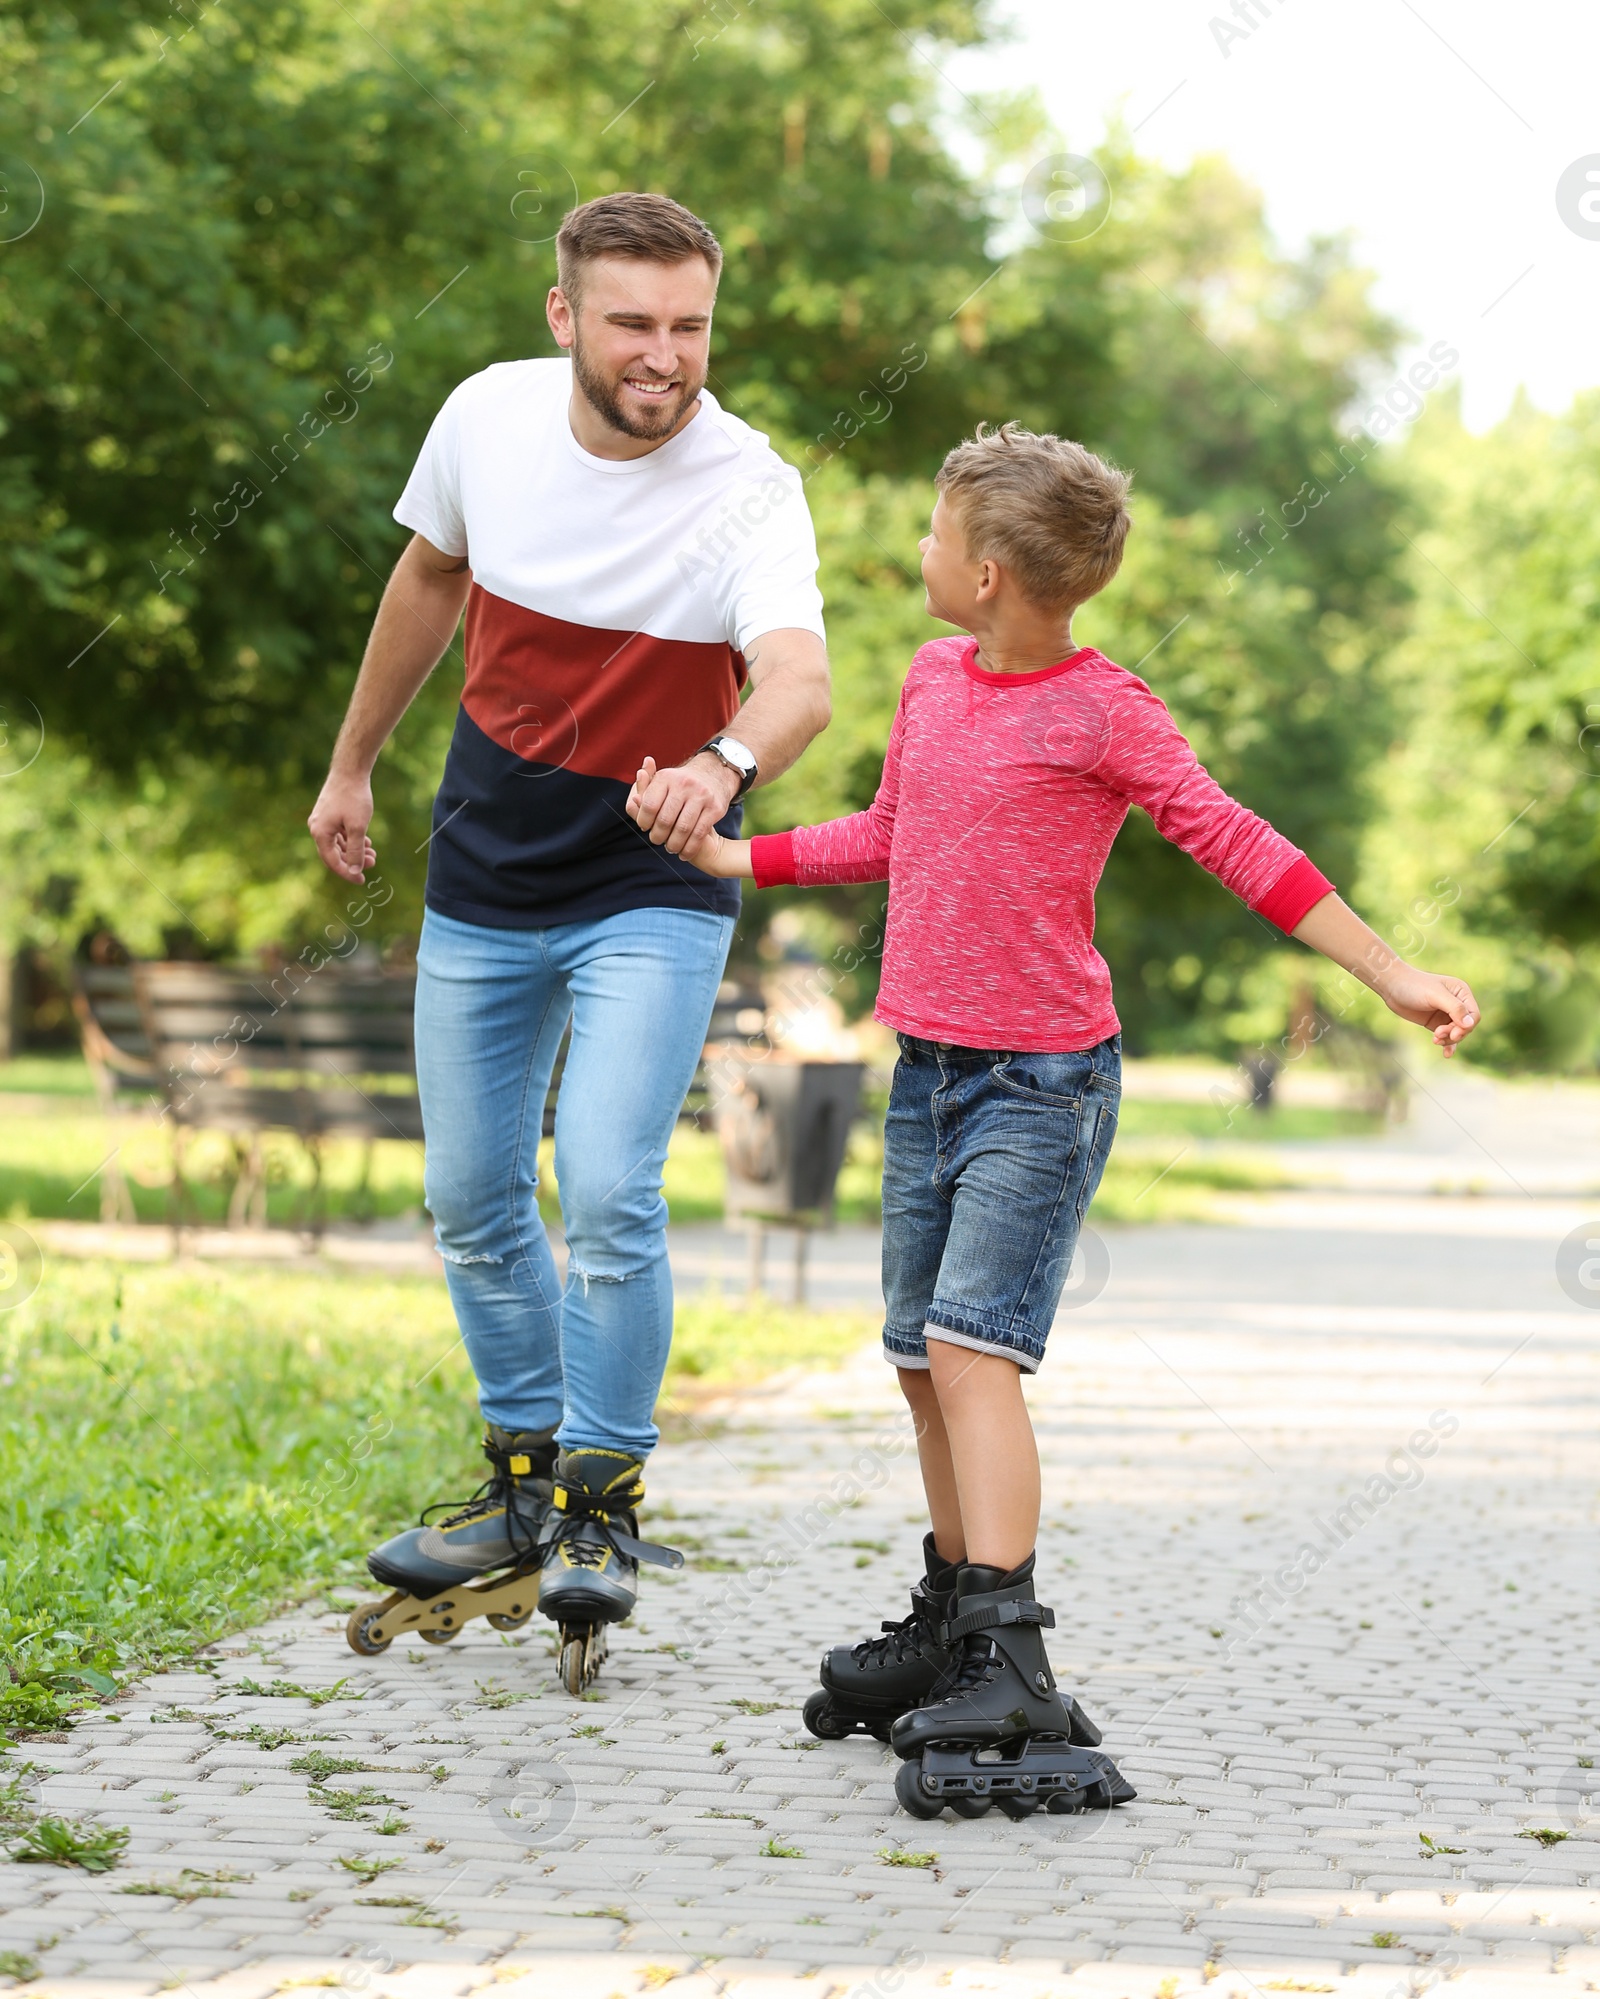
(1443, 1005)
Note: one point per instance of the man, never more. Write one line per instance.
(628, 554)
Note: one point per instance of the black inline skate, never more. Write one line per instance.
(591, 1555)
(432, 1570)
(1003, 1734)
(867, 1686)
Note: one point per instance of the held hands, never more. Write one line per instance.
(663, 810)
(339, 822)
(679, 806)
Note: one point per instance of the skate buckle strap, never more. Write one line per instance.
(576, 1504)
(995, 1615)
(508, 1463)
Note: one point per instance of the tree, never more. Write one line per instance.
(1491, 823)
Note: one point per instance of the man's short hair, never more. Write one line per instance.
(1053, 513)
(652, 226)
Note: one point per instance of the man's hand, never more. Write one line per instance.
(339, 822)
(1445, 1006)
(680, 805)
(416, 620)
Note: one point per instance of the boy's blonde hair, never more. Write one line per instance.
(1052, 512)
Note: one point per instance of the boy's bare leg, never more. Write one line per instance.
(992, 1453)
(933, 1454)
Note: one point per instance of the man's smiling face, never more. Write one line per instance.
(640, 340)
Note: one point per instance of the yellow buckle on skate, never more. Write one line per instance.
(560, 1499)
(521, 1465)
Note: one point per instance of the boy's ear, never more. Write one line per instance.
(989, 575)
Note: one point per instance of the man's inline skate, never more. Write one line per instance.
(481, 1560)
(550, 1531)
(1001, 1733)
(591, 1554)
(868, 1685)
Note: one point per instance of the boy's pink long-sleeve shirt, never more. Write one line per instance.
(1001, 796)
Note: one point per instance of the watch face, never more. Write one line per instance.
(736, 754)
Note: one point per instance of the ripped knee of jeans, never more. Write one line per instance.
(467, 1255)
(580, 1274)
(452, 1245)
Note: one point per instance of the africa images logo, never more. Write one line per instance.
(1578, 197)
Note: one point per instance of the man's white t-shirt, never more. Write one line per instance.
(612, 602)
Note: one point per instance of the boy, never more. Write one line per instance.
(1011, 763)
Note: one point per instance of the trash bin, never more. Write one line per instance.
(784, 1126)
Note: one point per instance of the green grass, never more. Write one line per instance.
(57, 1842)
(1160, 1181)
(64, 1075)
(50, 1166)
(1241, 1125)
(183, 1448)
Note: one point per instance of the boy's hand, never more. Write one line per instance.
(1445, 1006)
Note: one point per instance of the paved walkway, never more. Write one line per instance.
(1234, 1405)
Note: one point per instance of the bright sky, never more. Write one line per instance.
(1437, 132)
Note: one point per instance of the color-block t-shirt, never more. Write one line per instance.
(612, 603)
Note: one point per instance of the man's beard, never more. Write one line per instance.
(604, 399)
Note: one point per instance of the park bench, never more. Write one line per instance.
(320, 1054)
(324, 1053)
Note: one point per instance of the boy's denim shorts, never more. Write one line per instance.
(989, 1162)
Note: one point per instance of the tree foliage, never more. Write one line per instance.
(272, 242)
(1492, 794)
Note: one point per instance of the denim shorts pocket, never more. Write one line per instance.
(1057, 1080)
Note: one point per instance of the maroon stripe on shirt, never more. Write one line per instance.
(590, 700)
(1001, 796)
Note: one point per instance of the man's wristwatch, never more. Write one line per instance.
(729, 750)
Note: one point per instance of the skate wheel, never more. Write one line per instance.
(1016, 1807)
(913, 1799)
(968, 1808)
(358, 1631)
(582, 1649)
(441, 1637)
(823, 1718)
(502, 1621)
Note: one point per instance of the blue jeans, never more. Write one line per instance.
(990, 1161)
(491, 1009)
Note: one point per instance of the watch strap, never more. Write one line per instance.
(746, 777)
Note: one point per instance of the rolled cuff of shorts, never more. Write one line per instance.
(1293, 894)
(897, 1359)
(1028, 1362)
(772, 858)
